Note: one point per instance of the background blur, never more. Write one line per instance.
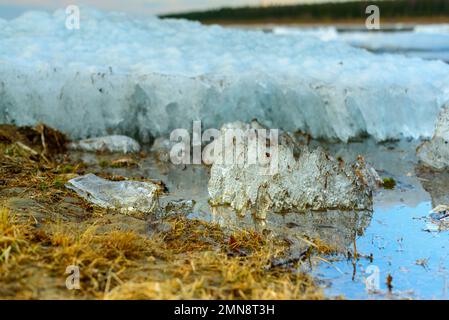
(10, 9)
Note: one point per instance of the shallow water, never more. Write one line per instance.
(399, 235)
(401, 238)
(416, 259)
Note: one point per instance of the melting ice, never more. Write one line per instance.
(144, 77)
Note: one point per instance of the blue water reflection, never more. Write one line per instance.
(401, 245)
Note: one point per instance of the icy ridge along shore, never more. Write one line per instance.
(146, 77)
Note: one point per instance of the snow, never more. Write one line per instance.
(119, 74)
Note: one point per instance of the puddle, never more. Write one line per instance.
(417, 260)
(397, 239)
(401, 239)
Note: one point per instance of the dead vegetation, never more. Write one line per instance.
(44, 229)
(198, 261)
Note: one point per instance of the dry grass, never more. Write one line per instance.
(211, 275)
(200, 262)
(13, 238)
(323, 248)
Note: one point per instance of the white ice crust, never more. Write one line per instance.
(145, 77)
(115, 143)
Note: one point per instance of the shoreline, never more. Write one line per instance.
(408, 21)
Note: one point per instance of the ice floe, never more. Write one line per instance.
(145, 77)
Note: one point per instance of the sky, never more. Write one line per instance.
(12, 8)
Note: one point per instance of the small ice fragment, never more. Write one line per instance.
(431, 227)
(126, 196)
(113, 143)
(172, 208)
(440, 208)
(161, 147)
(440, 212)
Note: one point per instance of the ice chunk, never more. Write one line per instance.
(172, 207)
(435, 153)
(114, 143)
(145, 77)
(440, 212)
(161, 147)
(313, 181)
(133, 197)
(367, 173)
(323, 33)
(439, 219)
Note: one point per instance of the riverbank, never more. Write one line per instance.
(386, 23)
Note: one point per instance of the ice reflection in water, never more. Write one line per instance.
(401, 238)
(338, 228)
(416, 259)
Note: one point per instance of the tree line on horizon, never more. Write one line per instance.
(322, 11)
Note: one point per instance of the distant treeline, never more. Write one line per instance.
(323, 11)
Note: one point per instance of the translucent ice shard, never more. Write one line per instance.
(134, 197)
